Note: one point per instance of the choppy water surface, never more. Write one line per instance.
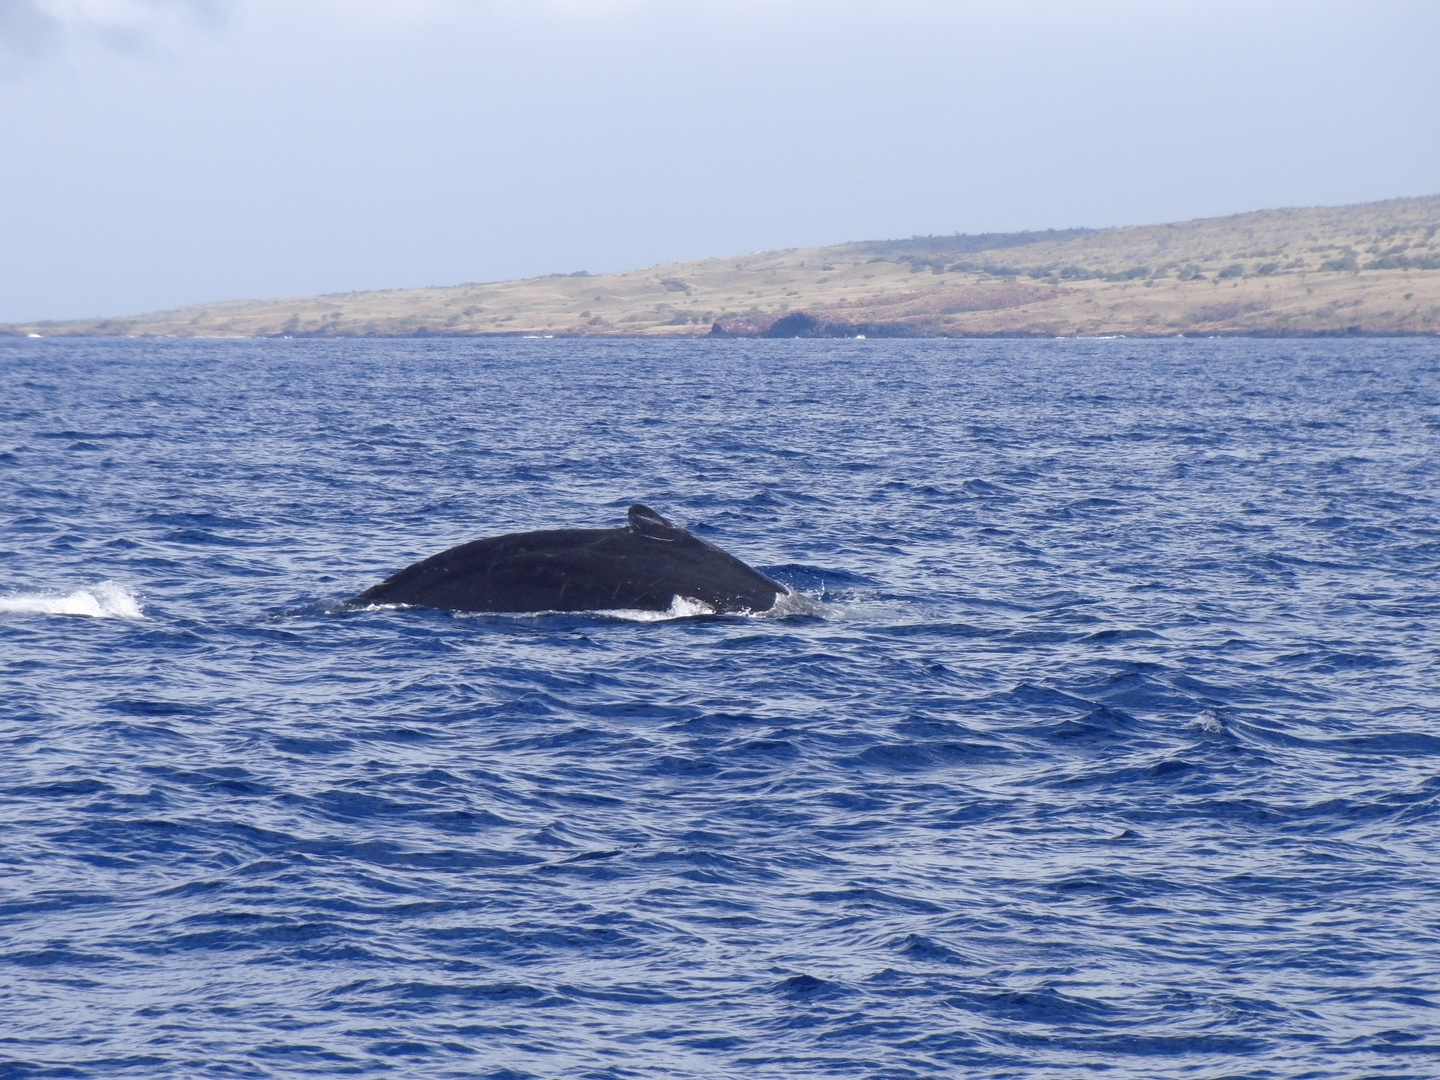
(1116, 749)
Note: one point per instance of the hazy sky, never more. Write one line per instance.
(159, 152)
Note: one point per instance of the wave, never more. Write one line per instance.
(107, 600)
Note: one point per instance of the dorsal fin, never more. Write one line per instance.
(647, 522)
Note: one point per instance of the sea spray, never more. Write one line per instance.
(107, 600)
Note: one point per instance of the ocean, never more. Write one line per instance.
(1112, 746)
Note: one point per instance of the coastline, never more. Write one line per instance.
(1369, 270)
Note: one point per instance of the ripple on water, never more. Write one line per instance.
(1101, 737)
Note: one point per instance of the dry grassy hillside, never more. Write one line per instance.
(1370, 269)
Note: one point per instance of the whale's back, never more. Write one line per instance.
(643, 566)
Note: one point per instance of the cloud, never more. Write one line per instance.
(34, 29)
(26, 31)
(403, 11)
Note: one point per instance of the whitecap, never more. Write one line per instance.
(1210, 722)
(107, 600)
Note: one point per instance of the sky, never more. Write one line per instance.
(155, 153)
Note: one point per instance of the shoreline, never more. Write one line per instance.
(1371, 270)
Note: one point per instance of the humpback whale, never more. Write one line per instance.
(649, 565)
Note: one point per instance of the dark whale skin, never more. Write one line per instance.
(642, 566)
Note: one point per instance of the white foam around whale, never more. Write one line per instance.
(681, 607)
(795, 603)
(684, 607)
(107, 600)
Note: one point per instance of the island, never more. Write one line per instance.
(1369, 269)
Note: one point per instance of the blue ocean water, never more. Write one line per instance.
(1115, 749)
